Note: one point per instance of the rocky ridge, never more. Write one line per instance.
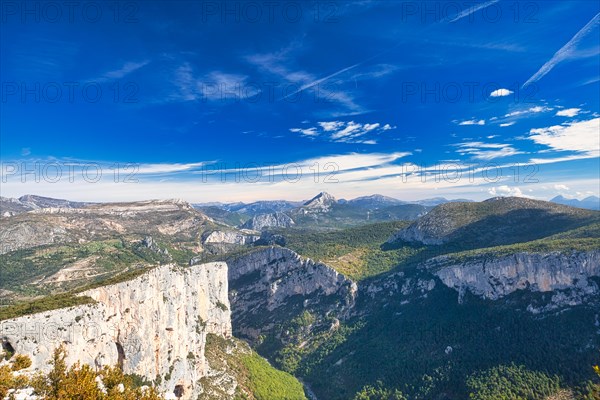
(537, 272)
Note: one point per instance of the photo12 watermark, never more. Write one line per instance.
(69, 92)
(269, 12)
(69, 12)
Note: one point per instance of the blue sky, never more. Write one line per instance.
(213, 101)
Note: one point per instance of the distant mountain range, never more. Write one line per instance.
(28, 202)
(591, 202)
(323, 210)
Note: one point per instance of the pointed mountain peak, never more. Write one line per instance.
(321, 198)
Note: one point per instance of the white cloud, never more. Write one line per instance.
(569, 112)
(501, 93)
(581, 137)
(473, 122)
(348, 132)
(504, 125)
(504, 190)
(561, 188)
(330, 126)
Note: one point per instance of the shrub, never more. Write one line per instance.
(20, 362)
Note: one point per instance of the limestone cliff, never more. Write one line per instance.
(274, 284)
(539, 272)
(154, 326)
(232, 237)
(274, 220)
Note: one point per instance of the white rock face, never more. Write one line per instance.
(273, 220)
(499, 277)
(221, 237)
(154, 326)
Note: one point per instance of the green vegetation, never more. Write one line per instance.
(511, 383)
(256, 378)
(27, 272)
(409, 343)
(267, 383)
(379, 392)
(347, 215)
(45, 304)
(469, 226)
(355, 252)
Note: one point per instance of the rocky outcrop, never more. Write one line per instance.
(154, 326)
(274, 220)
(500, 276)
(275, 284)
(232, 237)
(149, 243)
(28, 233)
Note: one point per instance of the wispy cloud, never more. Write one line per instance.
(213, 86)
(530, 110)
(126, 69)
(506, 124)
(486, 151)
(344, 131)
(565, 52)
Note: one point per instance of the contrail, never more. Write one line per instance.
(463, 14)
(341, 71)
(471, 10)
(564, 52)
(314, 83)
